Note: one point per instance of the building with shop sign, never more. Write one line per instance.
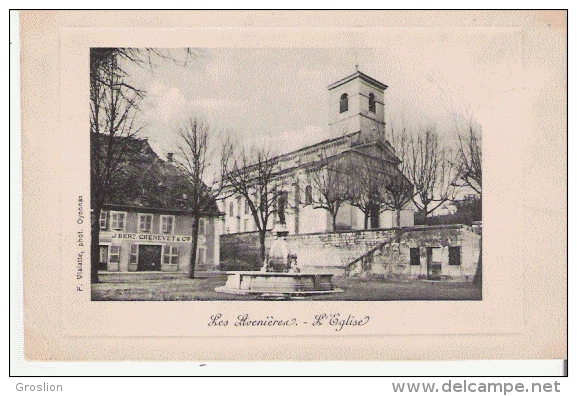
(146, 223)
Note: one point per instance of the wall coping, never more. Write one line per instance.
(356, 232)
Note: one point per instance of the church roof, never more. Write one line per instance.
(360, 75)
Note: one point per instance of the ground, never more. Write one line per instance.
(177, 287)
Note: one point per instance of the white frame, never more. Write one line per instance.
(162, 217)
(112, 213)
(140, 215)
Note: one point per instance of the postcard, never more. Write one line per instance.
(235, 185)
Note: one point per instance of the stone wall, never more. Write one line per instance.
(334, 252)
(393, 259)
(241, 251)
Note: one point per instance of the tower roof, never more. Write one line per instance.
(360, 75)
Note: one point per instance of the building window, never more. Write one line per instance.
(246, 225)
(344, 103)
(118, 220)
(169, 254)
(372, 103)
(114, 253)
(201, 226)
(200, 257)
(167, 224)
(246, 207)
(454, 255)
(415, 256)
(102, 220)
(231, 209)
(144, 222)
(308, 195)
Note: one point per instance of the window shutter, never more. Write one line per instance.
(102, 220)
(133, 254)
(165, 254)
(174, 257)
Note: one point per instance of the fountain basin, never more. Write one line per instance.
(260, 282)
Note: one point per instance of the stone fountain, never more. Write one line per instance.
(279, 275)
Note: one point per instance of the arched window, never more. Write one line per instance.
(231, 209)
(308, 195)
(372, 103)
(344, 102)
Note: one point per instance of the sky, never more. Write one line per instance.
(277, 97)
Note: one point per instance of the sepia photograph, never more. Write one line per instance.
(337, 174)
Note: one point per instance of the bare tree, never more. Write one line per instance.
(380, 186)
(196, 147)
(366, 189)
(251, 174)
(113, 106)
(113, 110)
(329, 181)
(401, 142)
(470, 160)
(430, 167)
(399, 194)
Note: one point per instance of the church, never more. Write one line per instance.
(348, 182)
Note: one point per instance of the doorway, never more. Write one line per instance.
(103, 258)
(434, 263)
(149, 257)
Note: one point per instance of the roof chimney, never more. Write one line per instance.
(169, 157)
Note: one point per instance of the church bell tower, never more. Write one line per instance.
(356, 104)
